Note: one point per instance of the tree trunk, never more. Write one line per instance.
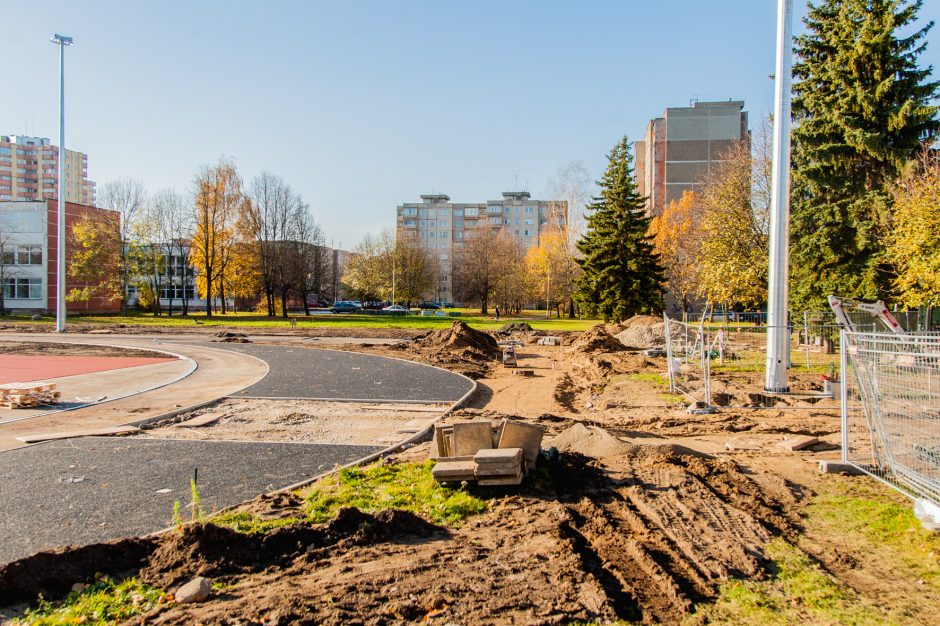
(208, 295)
(284, 303)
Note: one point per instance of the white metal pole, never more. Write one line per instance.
(778, 340)
(61, 41)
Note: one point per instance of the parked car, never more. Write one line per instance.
(396, 307)
(374, 305)
(345, 306)
(430, 305)
(317, 302)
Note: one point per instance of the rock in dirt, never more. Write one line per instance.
(196, 590)
(597, 339)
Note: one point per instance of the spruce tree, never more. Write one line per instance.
(622, 275)
(862, 107)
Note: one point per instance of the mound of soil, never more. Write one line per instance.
(596, 442)
(596, 339)
(644, 336)
(461, 337)
(641, 320)
(201, 550)
(515, 327)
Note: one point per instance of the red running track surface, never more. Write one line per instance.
(19, 368)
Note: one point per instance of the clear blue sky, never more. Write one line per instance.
(364, 105)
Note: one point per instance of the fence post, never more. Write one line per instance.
(806, 335)
(669, 363)
(844, 393)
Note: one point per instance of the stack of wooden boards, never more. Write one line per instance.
(490, 453)
(25, 396)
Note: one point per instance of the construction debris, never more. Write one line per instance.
(27, 396)
(798, 443)
(491, 454)
(549, 341)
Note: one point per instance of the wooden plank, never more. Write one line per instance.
(98, 432)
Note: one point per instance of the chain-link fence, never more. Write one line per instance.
(891, 409)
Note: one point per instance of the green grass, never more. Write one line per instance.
(258, 321)
(407, 486)
(245, 522)
(104, 602)
(861, 511)
(649, 377)
(799, 592)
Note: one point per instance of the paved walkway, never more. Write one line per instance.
(335, 375)
(81, 491)
(96, 488)
(219, 373)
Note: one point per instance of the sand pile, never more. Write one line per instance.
(590, 441)
(646, 332)
(461, 337)
(596, 340)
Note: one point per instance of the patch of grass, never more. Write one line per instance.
(245, 522)
(799, 592)
(249, 320)
(861, 510)
(407, 486)
(649, 377)
(673, 398)
(104, 602)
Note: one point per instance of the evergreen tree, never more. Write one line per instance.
(862, 107)
(621, 275)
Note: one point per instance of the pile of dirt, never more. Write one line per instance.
(515, 327)
(461, 337)
(594, 340)
(643, 335)
(594, 441)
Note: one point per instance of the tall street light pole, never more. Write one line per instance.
(62, 41)
(778, 334)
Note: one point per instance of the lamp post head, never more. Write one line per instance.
(62, 40)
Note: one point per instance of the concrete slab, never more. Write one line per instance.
(98, 432)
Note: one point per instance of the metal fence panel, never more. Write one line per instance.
(891, 409)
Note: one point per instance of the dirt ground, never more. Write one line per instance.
(646, 513)
(35, 348)
(299, 421)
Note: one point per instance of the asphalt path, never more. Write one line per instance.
(92, 489)
(332, 374)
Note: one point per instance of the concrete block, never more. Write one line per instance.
(798, 443)
(499, 470)
(500, 456)
(454, 470)
(471, 437)
(838, 467)
(525, 436)
(493, 482)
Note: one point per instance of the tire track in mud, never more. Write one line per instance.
(661, 533)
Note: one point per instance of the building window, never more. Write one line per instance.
(442, 211)
(442, 222)
(530, 221)
(410, 211)
(517, 232)
(506, 221)
(529, 209)
(458, 234)
(22, 255)
(506, 210)
(526, 232)
(472, 212)
(443, 234)
(458, 212)
(22, 288)
(515, 209)
(516, 222)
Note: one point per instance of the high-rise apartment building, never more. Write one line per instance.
(678, 148)
(29, 170)
(441, 226)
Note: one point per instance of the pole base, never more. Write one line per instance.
(777, 390)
